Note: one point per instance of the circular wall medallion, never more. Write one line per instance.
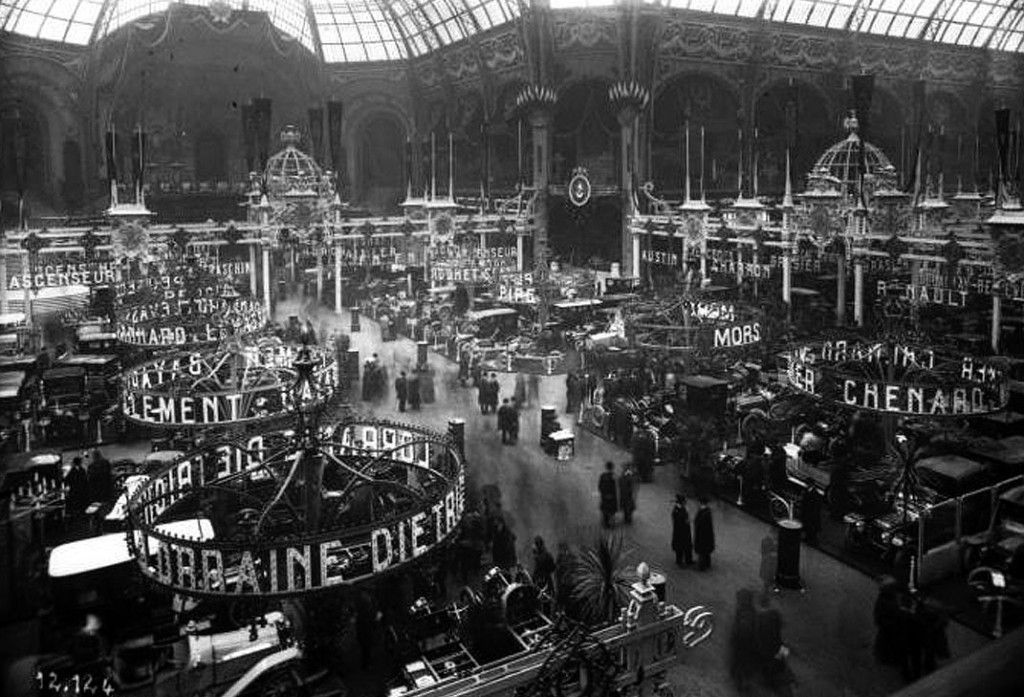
(579, 188)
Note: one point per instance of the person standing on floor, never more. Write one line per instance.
(414, 392)
(101, 482)
(543, 565)
(494, 393)
(703, 535)
(627, 493)
(769, 563)
(503, 551)
(571, 387)
(505, 416)
(77, 483)
(514, 421)
(743, 649)
(682, 540)
(532, 389)
(483, 389)
(772, 653)
(609, 494)
(401, 391)
(519, 391)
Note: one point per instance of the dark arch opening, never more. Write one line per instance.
(380, 148)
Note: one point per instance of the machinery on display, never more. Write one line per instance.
(544, 656)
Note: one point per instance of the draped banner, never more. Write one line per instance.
(863, 90)
(914, 183)
(791, 108)
(316, 133)
(335, 114)
(408, 164)
(111, 141)
(1003, 145)
(485, 169)
(138, 156)
(261, 112)
(249, 137)
(20, 156)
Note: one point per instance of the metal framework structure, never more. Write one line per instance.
(382, 30)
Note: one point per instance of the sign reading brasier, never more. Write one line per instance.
(296, 565)
(911, 380)
(471, 265)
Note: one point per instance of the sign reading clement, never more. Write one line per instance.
(300, 563)
(218, 388)
(910, 380)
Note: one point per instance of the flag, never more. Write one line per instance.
(262, 113)
(316, 132)
(249, 137)
(1002, 150)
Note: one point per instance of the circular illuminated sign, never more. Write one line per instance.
(897, 378)
(694, 325)
(221, 388)
(386, 495)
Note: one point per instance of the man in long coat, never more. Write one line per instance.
(401, 391)
(682, 541)
(627, 493)
(703, 535)
(609, 494)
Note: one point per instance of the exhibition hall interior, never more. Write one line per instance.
(511, 348)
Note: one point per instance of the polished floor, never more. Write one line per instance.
(829, 628)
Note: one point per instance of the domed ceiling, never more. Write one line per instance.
(380, 30)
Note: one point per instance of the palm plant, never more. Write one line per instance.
(600, 580)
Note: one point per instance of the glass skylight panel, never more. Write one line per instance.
(287, 15)
(356, 30)
(800, 12)
(51, 19)
(749, 8)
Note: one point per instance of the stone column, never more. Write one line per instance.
(520, 250)
(337, 279)
(858, 293)
(627, 116)
(540, 123)
(997, 322)
(841, 291)
(253, 272)
(787, 278)
(266, 283)
(3, 277)
(634, 256)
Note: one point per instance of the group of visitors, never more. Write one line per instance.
(699, 538)
(407, 391)
(84, 486)
(488, 391)
(617, 494)
(375, 379)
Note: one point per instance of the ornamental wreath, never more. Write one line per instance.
(130, 241)
(692, 229)
(1009, 256)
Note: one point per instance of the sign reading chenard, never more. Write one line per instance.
(910, 380)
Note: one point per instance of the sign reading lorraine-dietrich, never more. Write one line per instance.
(907, 380)
(299, 563)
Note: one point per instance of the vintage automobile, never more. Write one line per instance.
(939, 478)
(997, 546)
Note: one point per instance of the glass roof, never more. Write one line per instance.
(372, 30)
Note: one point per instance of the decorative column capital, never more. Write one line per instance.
(628, 98)
(537, 101)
